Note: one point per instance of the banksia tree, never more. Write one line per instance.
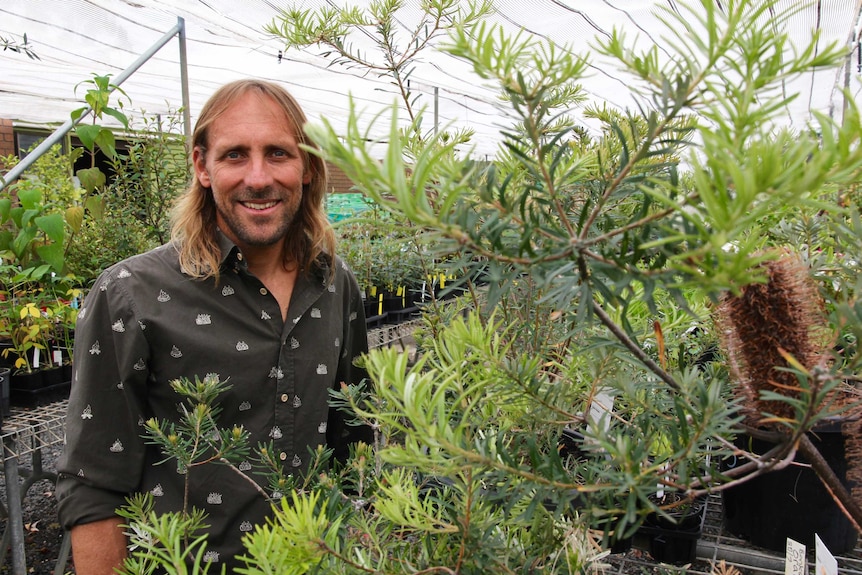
(769, 331)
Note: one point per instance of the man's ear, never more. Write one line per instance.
(199, 164)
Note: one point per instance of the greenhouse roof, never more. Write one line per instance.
(75, 39)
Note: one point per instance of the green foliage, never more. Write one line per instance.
(93, 136)
(132, 215)
(395, 54)
(599, 259)
(22, 47)
(150, 175)
(582, 240)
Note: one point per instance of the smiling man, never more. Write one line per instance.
(250, 289)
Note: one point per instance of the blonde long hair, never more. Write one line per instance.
(194, 219)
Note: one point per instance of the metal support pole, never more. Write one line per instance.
(184, 79)
(15, 523)
(436, 108)
(60, 132)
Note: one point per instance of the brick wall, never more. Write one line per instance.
(339, 183)
(7, 138)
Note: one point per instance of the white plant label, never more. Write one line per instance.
(795, 562)
(825, 562)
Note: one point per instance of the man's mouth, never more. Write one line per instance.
(259, 205)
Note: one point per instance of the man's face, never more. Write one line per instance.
(255, 171)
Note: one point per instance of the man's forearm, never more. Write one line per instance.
(98, 547)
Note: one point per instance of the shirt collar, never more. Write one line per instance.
(232, 258)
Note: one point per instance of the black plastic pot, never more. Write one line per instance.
(35, 389)
(791, 502)
(673, 538)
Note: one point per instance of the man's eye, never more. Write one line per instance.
(279, 153)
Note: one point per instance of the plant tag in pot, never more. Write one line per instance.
(795, 561)
(825, 562)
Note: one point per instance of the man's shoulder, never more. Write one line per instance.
(163, 260)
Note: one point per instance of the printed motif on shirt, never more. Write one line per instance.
(276, 373)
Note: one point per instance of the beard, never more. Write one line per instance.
(259, 231)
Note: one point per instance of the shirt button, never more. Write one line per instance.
(263, 291)
(283, 397)
(239, 256)
(282, 456)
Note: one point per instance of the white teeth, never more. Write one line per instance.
(265, 206)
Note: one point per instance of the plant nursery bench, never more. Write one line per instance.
(25, 432)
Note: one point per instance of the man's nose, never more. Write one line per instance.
(259, 173)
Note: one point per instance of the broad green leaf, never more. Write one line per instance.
(5, 207)
(105, 141)
(22, 242)
(77, 113)
(52, 254)
(75, 217)
(30, 198)
(120, 117)
(96, 206)
(53, 225)
(88, 134)
(91, 178)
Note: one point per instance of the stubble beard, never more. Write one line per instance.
(250, 234)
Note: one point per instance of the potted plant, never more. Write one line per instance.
(674, 528)
(776, 338)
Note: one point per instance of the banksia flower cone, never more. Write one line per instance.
(784, 314)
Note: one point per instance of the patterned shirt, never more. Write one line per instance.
(145, 323)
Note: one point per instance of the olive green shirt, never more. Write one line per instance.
(145, 323)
